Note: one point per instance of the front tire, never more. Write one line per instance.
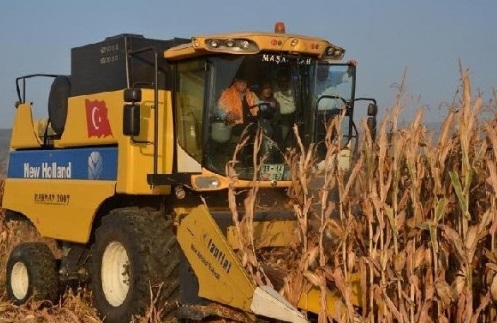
(135, 251)
(32, 274)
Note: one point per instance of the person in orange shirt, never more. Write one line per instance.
(239, 102)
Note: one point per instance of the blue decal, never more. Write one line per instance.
(70, 163)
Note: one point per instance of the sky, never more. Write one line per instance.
(422, 39)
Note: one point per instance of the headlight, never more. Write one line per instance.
(214, 43)
(245, 44)
(207, 182)
(232, 45)
(334, 52)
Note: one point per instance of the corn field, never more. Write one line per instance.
(411, 224)
(414, 220)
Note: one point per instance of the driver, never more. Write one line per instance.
(238, 101)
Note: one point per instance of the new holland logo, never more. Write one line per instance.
(95, 165)
(97, 120)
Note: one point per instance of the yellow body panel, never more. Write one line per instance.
(60, 209)
(73, 221)
(221, 276)
(135, 160)
(268, 234)
(23, 132)
(78, 119)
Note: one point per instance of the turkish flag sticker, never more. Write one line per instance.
(97, 121)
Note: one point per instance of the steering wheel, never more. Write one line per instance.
(335, 97)
(265, 109)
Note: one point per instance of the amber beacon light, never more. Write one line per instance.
(279, 27)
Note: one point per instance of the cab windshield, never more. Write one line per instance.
(265, 94)
(239, 96)
(334, 89)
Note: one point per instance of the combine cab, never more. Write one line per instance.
(129, 171)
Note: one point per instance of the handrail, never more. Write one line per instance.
(22, 98)
(156, 99)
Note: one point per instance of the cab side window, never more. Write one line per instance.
(189, 107)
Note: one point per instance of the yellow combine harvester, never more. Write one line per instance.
(128, 171)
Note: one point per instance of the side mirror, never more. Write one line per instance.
(372, 109)
(132, 95)
(131, 120)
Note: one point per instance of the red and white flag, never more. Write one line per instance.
(97, 120)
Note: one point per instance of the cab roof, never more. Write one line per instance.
(254, 42)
